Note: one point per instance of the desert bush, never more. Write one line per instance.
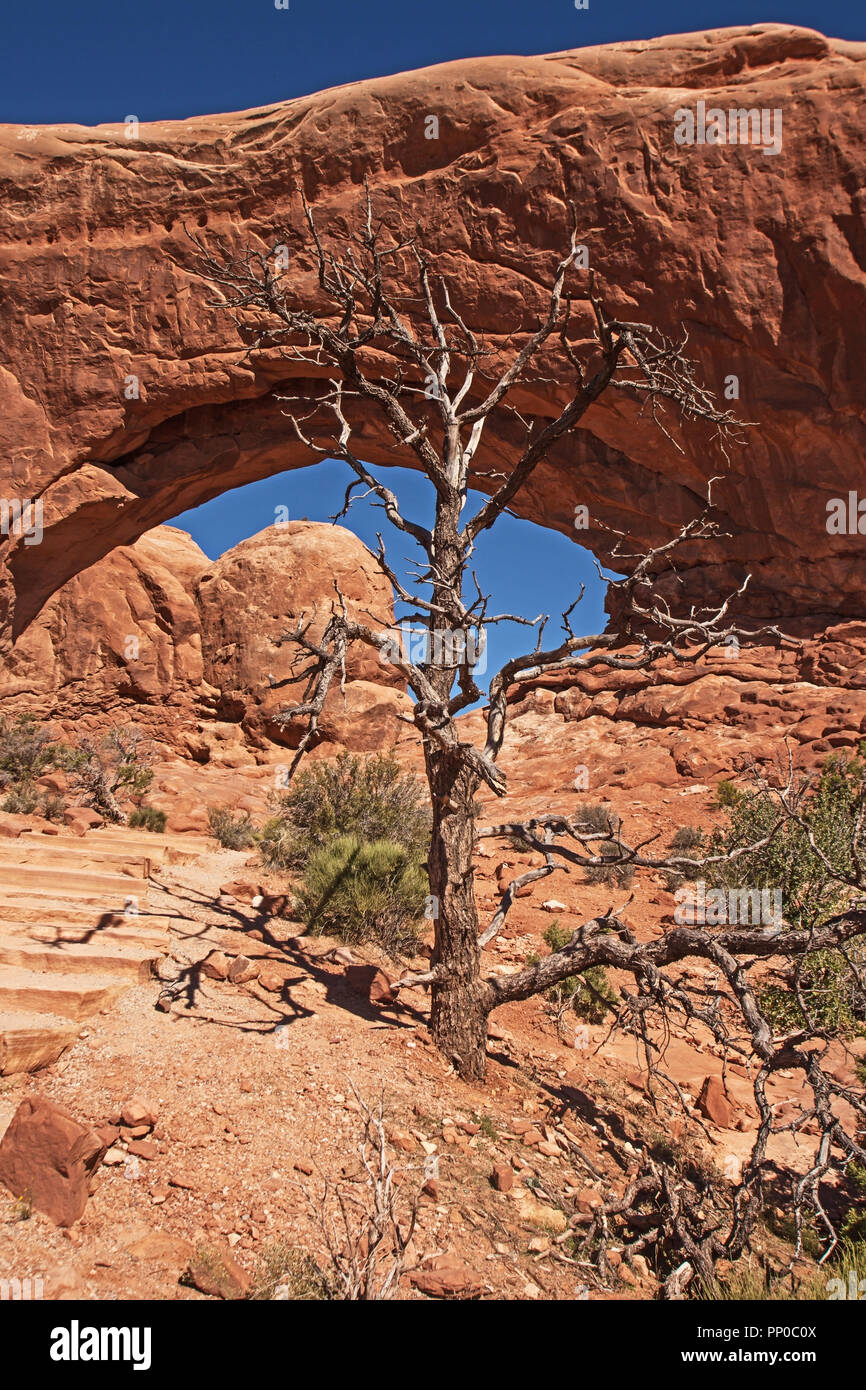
(361, 890)
(21, 801)
(117, 767)
(232, 830)
(830, 810)
(148, 818)
(727, 793)
(589, 994)
(372, 799)
(689, 839)
(25, 751)
(594, 816)
(286, 1273)
(615, 874)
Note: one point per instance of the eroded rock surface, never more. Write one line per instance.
(123, 397)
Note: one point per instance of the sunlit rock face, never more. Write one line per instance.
(124, 400)
(188, 650)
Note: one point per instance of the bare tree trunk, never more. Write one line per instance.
(458, 1021)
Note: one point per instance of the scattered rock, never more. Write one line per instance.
(242, 969)
(216, 965)
(215, 1271)
(538, 1214)
(588, 1200)
(369, 980)
(183, 1180)
(80, 819)
(502, 1177)
(141, 1148)
(445, 1276)
(137, 1112)
(46, 1154)
(714, 1104)
(399, 1139)
(271, 980)
(65, 1283)
(166, 1248)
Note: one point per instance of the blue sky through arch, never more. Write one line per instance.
(527, 568)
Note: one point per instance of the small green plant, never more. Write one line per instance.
(26, 751)
(233, 831)
(688, 837)
(287, 1273)
(589, 995)
(148, 818)
(688, 840)
(727, 794)
(616, 874)
(364, 891)
(370, 798)
(21, 801)
(52, 806)
(488, 1128)
(593, 817)
(21, 1208)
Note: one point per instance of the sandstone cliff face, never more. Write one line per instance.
(256, 592)
(760, 256)
(158, 635)
(125, 632)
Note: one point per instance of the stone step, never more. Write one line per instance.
(24, 908)
(72, 957)
(177, 849)
(62, 883)
(63, 854)
(151, 938)
(31, 1040)
(70, 996)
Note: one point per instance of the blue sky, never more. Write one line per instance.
(101, 60)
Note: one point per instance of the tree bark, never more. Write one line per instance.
(458, 1020)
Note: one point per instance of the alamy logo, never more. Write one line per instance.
(446, 647)
(698, 906)
(76, 1343)
(855, 1290)
(19, 518)
(22, 1290)
(846, 516)
(761, 127)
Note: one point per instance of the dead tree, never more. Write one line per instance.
(436, 387)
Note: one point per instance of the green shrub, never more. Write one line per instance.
(589, 994)
(364, 891)
(830, 810)
(370, 798)
(52, 806)
(25, 751)
(616, 874)
(594, 817)
(688, 837)
(149, 818)
(21, 801)
(233, 831)
(727, 794)
(285, 1272)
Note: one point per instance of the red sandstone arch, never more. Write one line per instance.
(762, 257)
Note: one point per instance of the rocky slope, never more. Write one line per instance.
(123, 398)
